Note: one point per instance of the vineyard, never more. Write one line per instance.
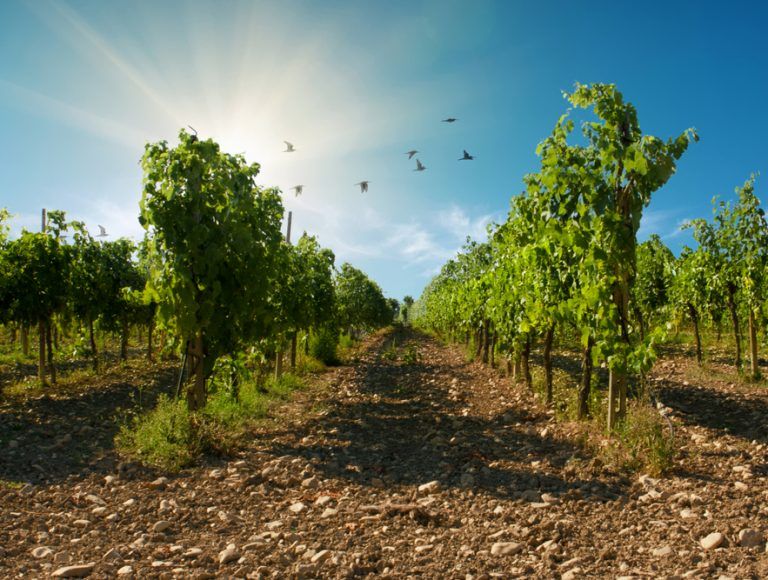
(219, 400)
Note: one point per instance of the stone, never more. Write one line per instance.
(321, 556)
(505, 548)
(274, 525)
(230, 554)
(112, 554)
(662, 552)
(192, 553)
(712, 541)
(329, 513)
(125, 571)
(430, 487)
(76, 571)
(323, 500)
(750, 538)
(310, 483)
(549, 498)
(297, 507)
(647, 481)
(159, 483)
(216, 474)
(161, 526)
(572, 573)
(41, 552)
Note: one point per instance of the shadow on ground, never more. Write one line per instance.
(740, 414)
(406, 431)
(48, 438)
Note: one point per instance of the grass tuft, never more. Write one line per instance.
(171, 437)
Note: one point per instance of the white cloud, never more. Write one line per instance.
(459, 224)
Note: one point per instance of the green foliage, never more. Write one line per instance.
(323, 344)
(361, 303)
(34, 271)
(643, 442)
(170, 436)
(566, 254)
(165, 437)
(213, 244)
(653, 281)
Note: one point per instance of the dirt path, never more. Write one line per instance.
(435, 469)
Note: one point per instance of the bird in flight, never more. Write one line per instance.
(102, 232)
(363, 186)
(289, 148)
(411, 153)
(450, 120)
(419, 166)
(298, 190)
(467, 156)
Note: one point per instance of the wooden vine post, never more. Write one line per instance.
(41, 327)
(279, 356)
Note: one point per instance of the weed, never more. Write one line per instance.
(171, 437)
(642, 441)
(411, 355)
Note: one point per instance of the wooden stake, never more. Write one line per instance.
(279, 355)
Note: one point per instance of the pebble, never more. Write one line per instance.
(159, 483)
(76, 571)
(712, 541)
(274, 525)
(750, 538)
(310, 483)
(125, 571)
(329, 513)
(41, 552)
(572, 573)
(661, 552)
(230, 554)
(161, 526)
(505, 548)
(112, 554)
(297, 508)
(430, 487)
(323, 500)
(192, 553)
(321, 556)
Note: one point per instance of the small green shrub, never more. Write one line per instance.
(165, 437)
(642, 441)
(171, 437)
(323, 345)
(411, 355)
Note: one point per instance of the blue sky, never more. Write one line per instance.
(84, 84)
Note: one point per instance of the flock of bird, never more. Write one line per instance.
(363, 185)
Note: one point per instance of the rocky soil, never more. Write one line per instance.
(434, 468)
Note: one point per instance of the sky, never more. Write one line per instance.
(84, 85)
